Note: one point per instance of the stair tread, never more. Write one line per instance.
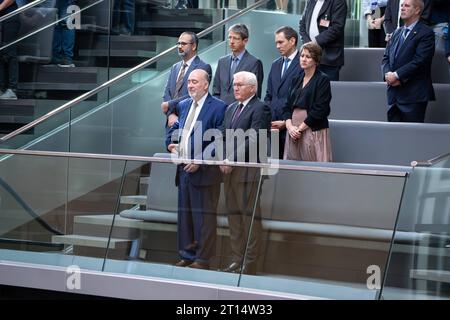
(138, 199)
(89, 241)
(432, 275)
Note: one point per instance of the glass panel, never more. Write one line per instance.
(325, 234)
(46, 206)
(163, 229)
(48, 50)
(419, 262)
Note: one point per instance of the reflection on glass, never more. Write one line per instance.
(419, 262)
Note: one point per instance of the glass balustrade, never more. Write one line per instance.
(419, 264)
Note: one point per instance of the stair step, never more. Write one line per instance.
(431, 275)
(88, 241)
(140, 200)
(121, 222)
(116, 53)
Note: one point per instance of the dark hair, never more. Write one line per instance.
(314, 50)
(288, 32)
(241, 29)
(193, 37)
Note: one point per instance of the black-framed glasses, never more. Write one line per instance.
(183, 43)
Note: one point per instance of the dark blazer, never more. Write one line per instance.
(391, 14)
(412, 64)
(169, 91)
(256, 115)
(223, 83)
(318, 97)
(330, 39)
(278, 88)
(211, 117)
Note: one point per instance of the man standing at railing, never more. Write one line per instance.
(323, 22)
(283, 71)
(251, 117)
(407, 66)
(176, 86)
(198, 185)
(8, 56)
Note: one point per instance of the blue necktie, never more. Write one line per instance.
(401, 40)
(285, 66)
(234, 62)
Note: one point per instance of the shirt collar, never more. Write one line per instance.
(239, 56)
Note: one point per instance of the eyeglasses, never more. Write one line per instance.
(183, 43)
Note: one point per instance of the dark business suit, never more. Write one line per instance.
(391, 14)
(412, 62)
(278, 90)
(169, 92)
(331, 38)
(198, 192)
(223, 81)
(241, 185)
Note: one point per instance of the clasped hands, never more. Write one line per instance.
(295, 131)
(190, 167)
(391, 79)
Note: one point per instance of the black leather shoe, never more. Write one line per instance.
(183, 263)
(233, 267)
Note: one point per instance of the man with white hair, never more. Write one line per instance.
(251, 115)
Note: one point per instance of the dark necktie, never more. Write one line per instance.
(237, 114)
(401, 40)
(180, 80)
(285, 66)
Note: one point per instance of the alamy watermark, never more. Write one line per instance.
(373, 282)
(73, 20)
(232, 145)
(73, 279)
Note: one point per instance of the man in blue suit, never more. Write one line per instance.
(198, 185)
(176, 86)
(407, 66)
(283, 70)
(239, 60)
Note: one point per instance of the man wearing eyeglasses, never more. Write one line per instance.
(176, 86)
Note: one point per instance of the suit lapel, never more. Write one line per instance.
(326, 4)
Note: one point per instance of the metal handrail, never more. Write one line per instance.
(175, 161)
(21, 9)
(123, 75)
(430, 162)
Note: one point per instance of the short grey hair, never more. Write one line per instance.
(249, 78)
(419, 3)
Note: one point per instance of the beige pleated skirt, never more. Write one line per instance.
(311, 146)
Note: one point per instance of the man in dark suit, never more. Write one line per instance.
(283, 70)
(392, 18)
(198, 185)
(239, 60)
(176, 86)
(323, 22)
(407, 66)
(248, 115)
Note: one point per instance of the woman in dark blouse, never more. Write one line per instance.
(306, 110)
